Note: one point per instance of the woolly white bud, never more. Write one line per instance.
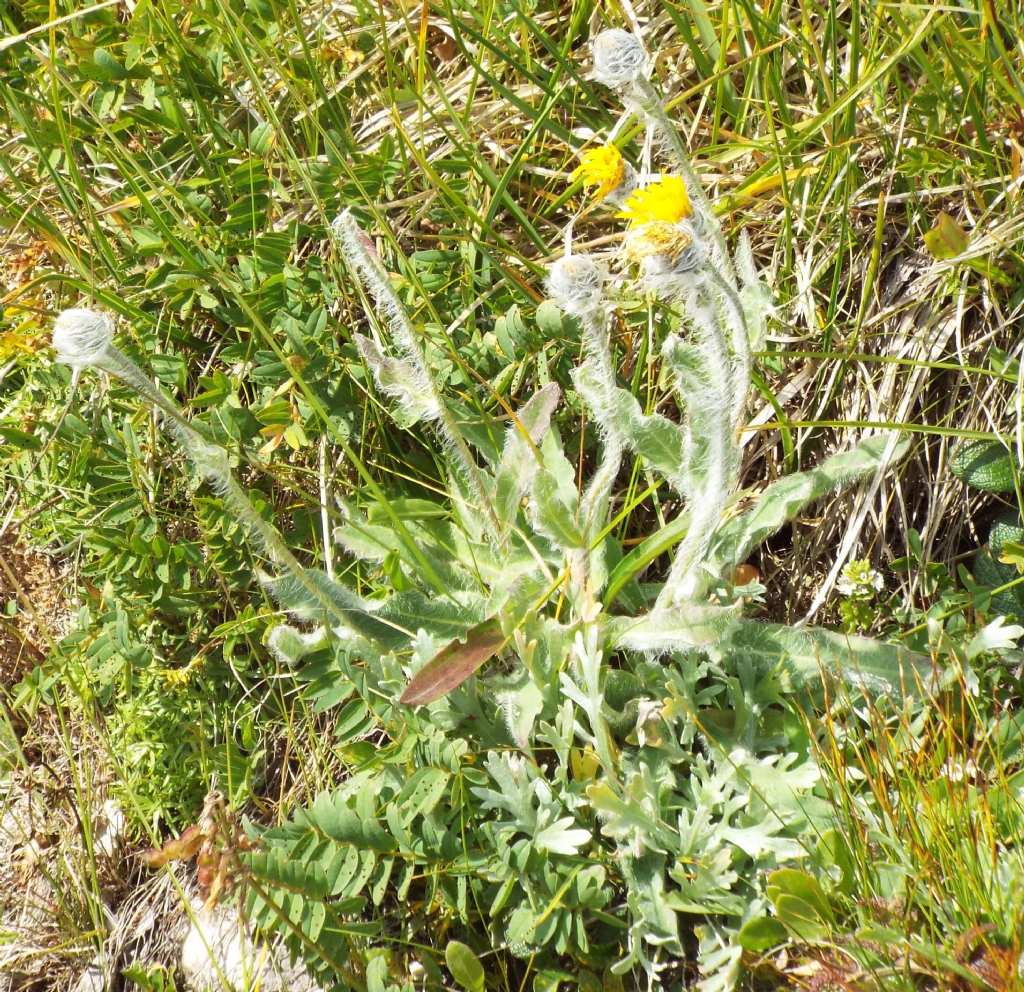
(619, 57)
(82, 337)
(575, 284)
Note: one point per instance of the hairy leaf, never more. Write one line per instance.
(657, 440)
(783, 500)
(692, 625)
(809, 653)
(553, 517)
(519, 459)
(401, 380)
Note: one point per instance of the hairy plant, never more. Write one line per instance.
(627, 770)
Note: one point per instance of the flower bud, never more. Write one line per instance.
(575, 284)
(82, 337)
(619, 57)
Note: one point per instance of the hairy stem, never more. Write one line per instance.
(211, 462)
(647, 98)
(374, 277)
(712, 481)
(740, 340)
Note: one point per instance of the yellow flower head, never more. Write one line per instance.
(665, 200)
(659, 237)
(601, 167)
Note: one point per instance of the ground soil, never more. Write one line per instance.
(32, 608)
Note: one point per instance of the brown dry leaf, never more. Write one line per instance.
(453, 664)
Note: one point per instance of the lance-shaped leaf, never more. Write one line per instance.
(313, 596)
(552, 517)
(643, 554)
(783, 500)
(520, 459)
(442, 617)
(680, 628)
(403, 381)
(811, 653)
(453, 664)
(657, 440)
(755, 297)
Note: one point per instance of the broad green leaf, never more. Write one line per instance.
(791, 881)
(783, 500)
(800, 918)
(761, 933)
(464, 966)
(985, 465)
(991, 574)
(453, 664)
(1006, 527)
(833, 850)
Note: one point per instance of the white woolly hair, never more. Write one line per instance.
(82, 337)
(575, 283)
(619, 57)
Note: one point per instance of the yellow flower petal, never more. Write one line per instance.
(665, 200)
(601, 167)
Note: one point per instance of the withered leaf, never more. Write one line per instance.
(453, 664)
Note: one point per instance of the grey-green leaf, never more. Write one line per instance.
(808, 653)
(657, 440)
(402, 381)
(691, 625)
(553, 517)
(783, 500)
(520, 459)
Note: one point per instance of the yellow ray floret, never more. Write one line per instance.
(665, 200)
(601, 167)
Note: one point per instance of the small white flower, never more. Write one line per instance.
(575, 284)
(82, 337)
(860, 580)
(619, 57)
